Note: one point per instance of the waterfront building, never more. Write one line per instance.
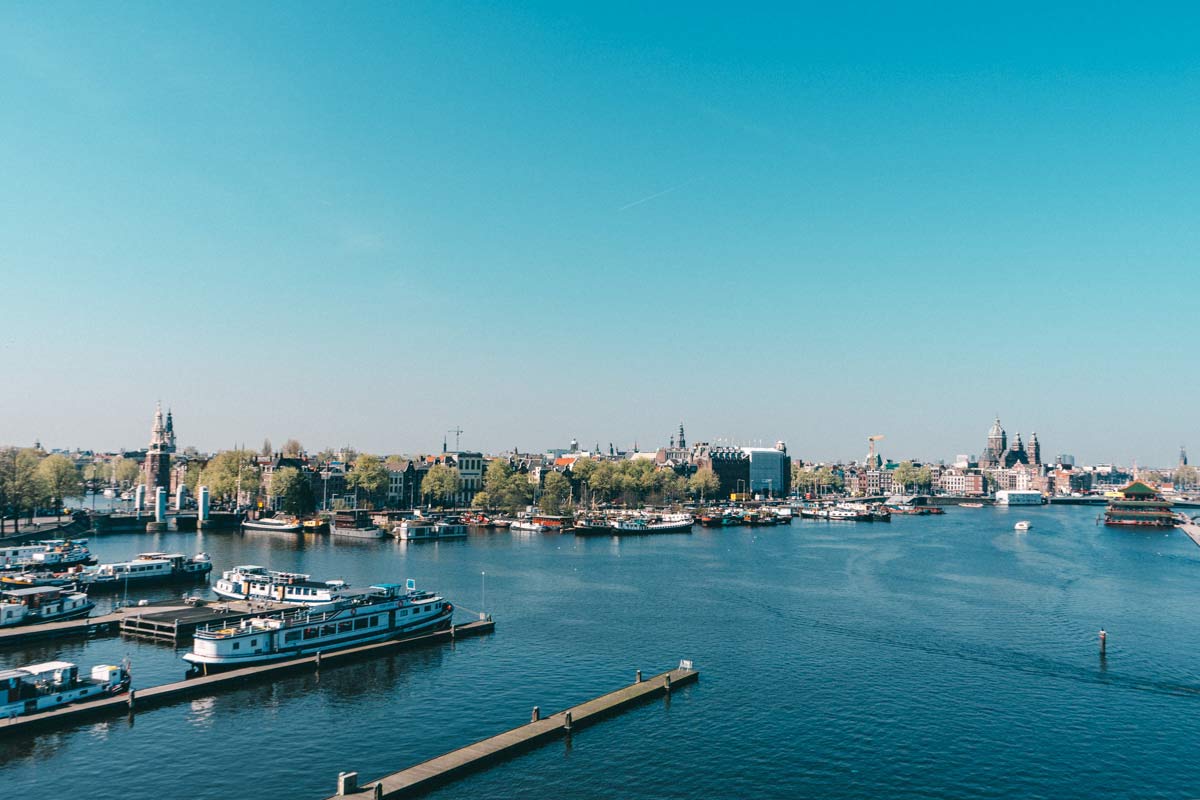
(731, 465)
(998, 454)
(961, 482)
(1139, 506)
(770, 469)
(1068, 480)
(157, 466)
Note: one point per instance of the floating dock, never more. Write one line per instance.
(173, 625)
(88, 626)
(436, 771)
(140, 699)
(1191, 530)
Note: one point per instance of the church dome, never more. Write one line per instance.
(996, 432)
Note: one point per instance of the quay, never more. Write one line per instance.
(1191, 530)
(139, 699)
(172, 625)
(428, 774)
(88, 626)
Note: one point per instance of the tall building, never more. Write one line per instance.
(1034, 450)
(998, 454)
(158, 456)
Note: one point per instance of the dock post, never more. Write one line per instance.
(667, 683)
(1103, 643)
(318, 659)
(132, 697)
(378, 795)
(536, 715)
(347, 783)
(567, 722)
(638, 679)
(452, 630)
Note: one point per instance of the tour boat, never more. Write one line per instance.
(48, 554)
(666, 523)
(359, 616)
(32, 604)
(526, 525)
(1023, 525)
(411, 530)
(276, 524)
(250, 582)
(970, 505)
(357, 524)
(41, 687)
(146, 568)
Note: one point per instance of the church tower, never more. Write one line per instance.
(1034, 450)
(997, 445)
(682, 441)
(158, 456)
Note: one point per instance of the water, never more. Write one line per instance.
(930, 658)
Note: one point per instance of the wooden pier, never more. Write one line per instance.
(428, 774)
(140, 699)
(88, 626)
(1191, 530)
(174, 625)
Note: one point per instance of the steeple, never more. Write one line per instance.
(682, 441)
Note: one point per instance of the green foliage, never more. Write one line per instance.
(481, 500)
(220, 475)
(440, 483)
(58, 478)
(294, 490)
(555, 489)
(191, 477)
(704, 483)
(369, 475)
(292, 449)
(126, 471)
(908, 476)
(816, 481)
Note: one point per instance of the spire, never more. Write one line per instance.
(682, 441)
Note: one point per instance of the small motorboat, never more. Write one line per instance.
(1023, 525)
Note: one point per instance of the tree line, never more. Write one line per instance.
(31, 480)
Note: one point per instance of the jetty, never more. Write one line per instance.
(165, 694)
(428, 774)
(1191, 530)
(102, 625)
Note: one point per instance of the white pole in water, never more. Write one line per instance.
(482, 592)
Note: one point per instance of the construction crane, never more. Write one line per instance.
(457, 431)
(871, 440)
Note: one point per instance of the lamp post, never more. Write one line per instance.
(325, 495)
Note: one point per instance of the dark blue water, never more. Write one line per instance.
(932, 657)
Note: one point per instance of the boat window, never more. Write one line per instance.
(237, 645)
(360, 623)
(254, 641)
(374, 621)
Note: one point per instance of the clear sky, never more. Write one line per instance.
(368, 223)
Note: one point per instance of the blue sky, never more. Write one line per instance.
(369, 223)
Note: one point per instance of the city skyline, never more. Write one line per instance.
(369, 225)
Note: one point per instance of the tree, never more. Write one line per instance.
(704, 482)
(126, 471)
(1186, 476)
(368, 476)
(58, 479)
(481, 500)
(191, 477)
(555, 490)
(267, 450)
(904, 475)
(24, 488)
(441, 482)
(221, 474)
(292, 448)
(294, 490)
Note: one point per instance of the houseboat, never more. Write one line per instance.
(250, 582)
(664, 523)
(592, 525)
(414, 530)
(1139, 506)
(274, 524)
(31, 604)
(357, 524)
(359, 616)
(41, 687)
(48, 554)
(147, 568)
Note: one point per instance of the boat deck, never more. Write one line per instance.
(176, 624)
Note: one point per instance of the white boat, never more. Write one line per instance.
(1023, 525)
(111, 491)
(664, 523)
(411, 530)
(48, 554)
(526, 525)
(385, 611)
(146, 568)
(275, 524)
(32, 604)
(250, 582)
(40, 687)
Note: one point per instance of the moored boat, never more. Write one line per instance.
(147, 568)
(51, 684)
(665, 523)
(273, 524)
(251, 582)
(411, 530)
(49, 554)
(376, 613)
(357, 524)
(32, 604)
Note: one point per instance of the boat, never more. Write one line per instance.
(357, 524)
(477, 520)
(665, 523)
(497, 522)
(1139, 506)
(111, 491)
(47, 554)
(17, 579)
(275, 524)
(592, 525)
(51, 684)
(31, 604)
(527, 525)
(315, 525)
(359, 616)
(970, 505)
(145, 569)
(251, 582)
(411, 530)
(1023, 525)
